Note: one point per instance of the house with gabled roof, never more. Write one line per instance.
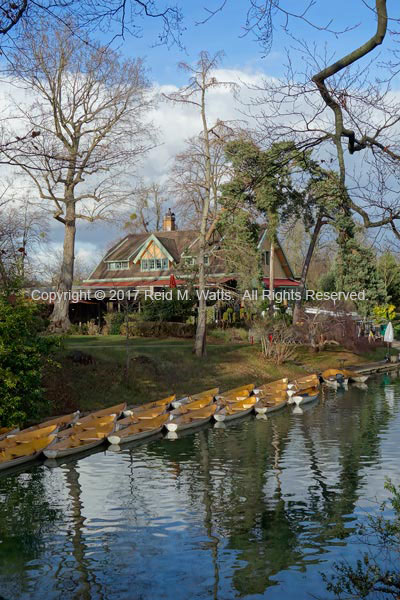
(146, 261)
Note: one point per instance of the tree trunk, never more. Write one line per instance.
(60, 315)
(306, 266)
(200, 340)
(271, 276)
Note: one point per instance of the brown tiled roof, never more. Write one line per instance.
(175, 242)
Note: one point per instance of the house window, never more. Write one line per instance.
(154, 264)
(118, 265)
(265, 258)
(206, 259)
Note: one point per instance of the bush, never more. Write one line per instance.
(113, 320)
(23, 353)
(173, 310)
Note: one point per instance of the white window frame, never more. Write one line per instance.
(154, 264)
(118, 265)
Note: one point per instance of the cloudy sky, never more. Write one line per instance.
(244, 62)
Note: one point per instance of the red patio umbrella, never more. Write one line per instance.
(172, 281)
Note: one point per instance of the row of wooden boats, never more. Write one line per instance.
(72, 434)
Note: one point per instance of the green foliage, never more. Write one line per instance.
(115, 323)
(327, 282)
(174, 310)
(389, 270)
(23, 353)
(356, 271)
(374, 574)
(239, 248)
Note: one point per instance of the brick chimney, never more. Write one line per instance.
(169, 221)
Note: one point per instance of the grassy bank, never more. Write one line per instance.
(159, 367)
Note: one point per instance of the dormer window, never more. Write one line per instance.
(118, 265)
(154, 264)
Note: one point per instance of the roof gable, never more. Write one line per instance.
(279, 252)
(152, 239)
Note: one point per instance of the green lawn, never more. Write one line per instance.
(159, 367)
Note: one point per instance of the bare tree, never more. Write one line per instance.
(188, 177)
(23, 233)
(148, 209)
(89, 110)
(121, 16)
(201, 81)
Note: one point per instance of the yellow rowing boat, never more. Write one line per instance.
(139, 430)
(24, 452)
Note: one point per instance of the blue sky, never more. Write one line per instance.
(242, 54)
(224, 31)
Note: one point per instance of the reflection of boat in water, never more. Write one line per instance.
(303, 408)
(360, 386)
(390, 395)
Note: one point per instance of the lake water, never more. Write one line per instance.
(256, 510)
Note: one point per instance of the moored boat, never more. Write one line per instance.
(24, 437)
(60, 422)
(242, 391)
(163, 403)
(24, 452)
(279, 384)
(139, 430)
(234, 410)
(186, 399)
(334, 377)
(79, 441)
(117, 409)
(195, 405)
(5, 431)
(305, 396)
(302, 383)
(193, 418)
(146, 413)
(86, 425)
(354, 376)
(270, 404)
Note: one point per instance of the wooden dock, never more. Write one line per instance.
(376, 367)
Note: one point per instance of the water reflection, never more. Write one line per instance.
(256, 509)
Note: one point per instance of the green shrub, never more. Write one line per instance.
(174, 310)
(116, 321)
(23, 353)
